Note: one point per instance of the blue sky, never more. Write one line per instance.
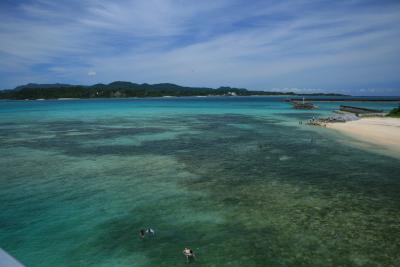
(346, 46)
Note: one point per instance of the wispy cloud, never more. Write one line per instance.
(258, 44)
(92, 73)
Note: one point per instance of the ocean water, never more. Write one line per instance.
(238, 180)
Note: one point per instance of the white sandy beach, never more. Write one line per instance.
(384, 132)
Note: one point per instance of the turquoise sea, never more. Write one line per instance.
(237, 179)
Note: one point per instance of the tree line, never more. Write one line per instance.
(121, 90)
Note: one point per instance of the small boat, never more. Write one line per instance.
(303, 105)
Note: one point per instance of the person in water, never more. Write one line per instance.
(150, 231)
(142, 233)
(189, 254)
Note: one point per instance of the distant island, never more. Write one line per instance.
(121, 89)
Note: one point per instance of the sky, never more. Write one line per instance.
(349, 46)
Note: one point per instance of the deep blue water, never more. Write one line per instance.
(237, 179)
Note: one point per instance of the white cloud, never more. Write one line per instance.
(261, 45)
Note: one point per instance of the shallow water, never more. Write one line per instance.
(236, 179)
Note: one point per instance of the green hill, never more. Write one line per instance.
(122, 89)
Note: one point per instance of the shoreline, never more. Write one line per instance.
(383, 132)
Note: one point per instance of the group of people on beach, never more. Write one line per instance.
(189, 254)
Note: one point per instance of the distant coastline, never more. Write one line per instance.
(129, 90)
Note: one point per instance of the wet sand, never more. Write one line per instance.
(384, 132)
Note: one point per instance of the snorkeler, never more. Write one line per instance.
(150, 231)
(142, 233)
(189, 254)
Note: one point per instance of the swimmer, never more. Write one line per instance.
(142, 233)
(189, 254)
(150, 231)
